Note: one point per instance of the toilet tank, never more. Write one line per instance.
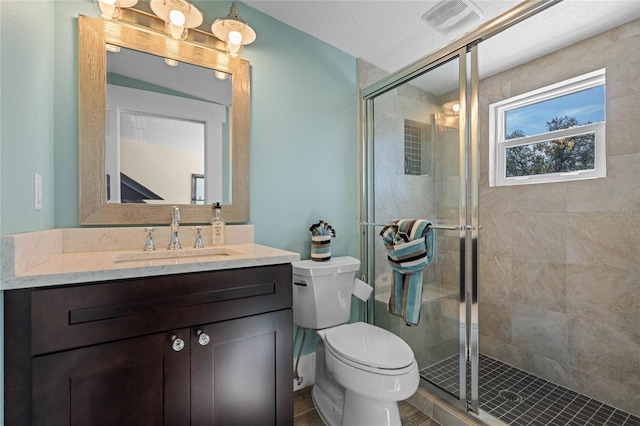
(322, 291)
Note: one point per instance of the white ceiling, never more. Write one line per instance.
(391, 34)
(185, 78)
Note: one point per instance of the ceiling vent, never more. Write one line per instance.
(449, 15)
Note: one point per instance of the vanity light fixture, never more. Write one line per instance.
(178, 15)
(110, 9)
(233, 31)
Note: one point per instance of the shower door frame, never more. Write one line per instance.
(464, 48)
(467, 223)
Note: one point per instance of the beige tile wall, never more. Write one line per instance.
(560, 262)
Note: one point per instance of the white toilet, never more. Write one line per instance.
(362, 371)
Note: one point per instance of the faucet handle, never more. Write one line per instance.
(175, 214)
(198, 244)
(149, 245)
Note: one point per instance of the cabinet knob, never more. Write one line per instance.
(178, 344)
(203, 338)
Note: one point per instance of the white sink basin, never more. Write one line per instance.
(174, 254)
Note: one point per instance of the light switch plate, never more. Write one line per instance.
(37, 190)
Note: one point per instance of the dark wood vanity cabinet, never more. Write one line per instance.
(138, 381)
(208, 348)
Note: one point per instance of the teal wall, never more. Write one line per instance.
(26, 122)
(27, 115)
(304, 140)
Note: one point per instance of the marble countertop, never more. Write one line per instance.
(26, 267)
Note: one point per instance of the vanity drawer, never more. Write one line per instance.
(74, 316)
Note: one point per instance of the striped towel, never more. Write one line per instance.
(410, 246)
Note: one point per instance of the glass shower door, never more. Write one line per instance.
(416, 167)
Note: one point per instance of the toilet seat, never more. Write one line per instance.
(370, 348)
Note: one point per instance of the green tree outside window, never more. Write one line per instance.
(554, 156)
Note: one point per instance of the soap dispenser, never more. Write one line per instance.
(218, 226)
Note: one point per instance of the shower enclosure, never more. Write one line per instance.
(432, 174)
(513, 310)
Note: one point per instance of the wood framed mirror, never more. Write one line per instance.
(144, 32)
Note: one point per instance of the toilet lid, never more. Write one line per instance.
(369, 345)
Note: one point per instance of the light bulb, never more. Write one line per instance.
(176, 32)
(235, 37)
(177, 18)
(221, 75)
(456, 108)
(234, 50)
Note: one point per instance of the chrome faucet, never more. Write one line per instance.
(174, 244)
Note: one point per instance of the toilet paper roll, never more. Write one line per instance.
(361, 290)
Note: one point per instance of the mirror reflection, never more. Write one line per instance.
(167, 122)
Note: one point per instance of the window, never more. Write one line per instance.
(552, 134)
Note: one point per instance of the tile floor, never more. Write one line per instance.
(521, 399)
(305, 414)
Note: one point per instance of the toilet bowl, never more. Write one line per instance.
(362, 371)
(376, 368)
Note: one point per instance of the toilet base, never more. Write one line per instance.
(327, 394)
(362, 411)
(326, 407)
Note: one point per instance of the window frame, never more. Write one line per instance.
(498, 144)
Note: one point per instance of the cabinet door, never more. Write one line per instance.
(243, 374)
(139, 381)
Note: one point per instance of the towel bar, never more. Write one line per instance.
(447, 227)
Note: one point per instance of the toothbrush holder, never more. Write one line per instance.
(320, 248)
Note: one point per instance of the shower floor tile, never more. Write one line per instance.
(519, 398)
